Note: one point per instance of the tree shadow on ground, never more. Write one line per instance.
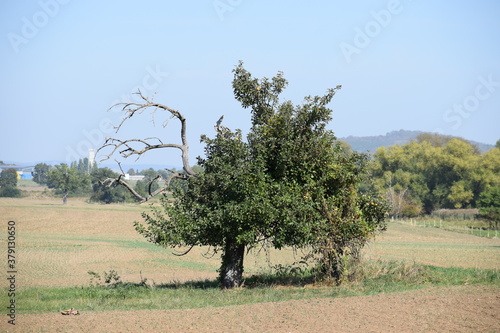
(251, 282)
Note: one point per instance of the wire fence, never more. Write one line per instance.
(437, 223)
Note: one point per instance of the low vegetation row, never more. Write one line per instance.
(79, 179)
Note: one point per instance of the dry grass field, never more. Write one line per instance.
(437, 247)
(58, 244)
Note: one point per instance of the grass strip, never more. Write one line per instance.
(368, 279)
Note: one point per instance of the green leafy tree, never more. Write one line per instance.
(8, 183)
(288, 184)
(489, 205)
(67, 180)
(40, 173)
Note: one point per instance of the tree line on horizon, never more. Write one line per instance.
(435, 172)
(80, 179)
(429, 173)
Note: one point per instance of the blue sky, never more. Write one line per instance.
(416, 65)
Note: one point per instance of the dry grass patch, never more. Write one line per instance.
(59, 244)
(437, 247)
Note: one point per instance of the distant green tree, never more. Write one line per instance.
(497, 144)
(8, 178)
(434, 173)
(40, 173)
(489, 205)
(83, 166)
(440, 140)
(104, 193)
(67, 180)
(8, 183)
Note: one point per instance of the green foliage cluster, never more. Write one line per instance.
(434, 172)
(66, 180)
(489, 205)
(288, 184)
(8, 183)
(40, 173)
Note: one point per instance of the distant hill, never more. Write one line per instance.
(369, 144)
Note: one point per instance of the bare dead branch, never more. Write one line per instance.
(138, 147)
(124, 147)
(151, 183)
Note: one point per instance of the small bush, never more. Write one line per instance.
(10, 192)
(111, 279)
(411, 210)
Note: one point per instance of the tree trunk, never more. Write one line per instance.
(65, 197)
(231, 270)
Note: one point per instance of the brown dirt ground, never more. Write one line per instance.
(437, 309)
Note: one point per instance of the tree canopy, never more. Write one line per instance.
(40, 173)
(434, 172)
(8, 183)
(489, 205)
(66, 180)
